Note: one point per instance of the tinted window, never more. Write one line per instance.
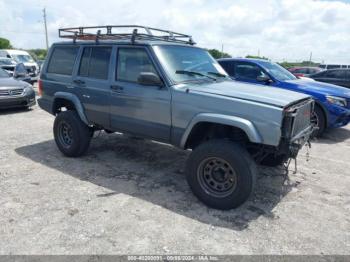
(229, 67)
(62, 60)
(95, 62)
(3, 73)
(131, 62)
(248, 71)
(336, 74)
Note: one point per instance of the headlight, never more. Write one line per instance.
(339, 101)
(28, 89)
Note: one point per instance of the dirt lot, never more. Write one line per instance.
(130, 196)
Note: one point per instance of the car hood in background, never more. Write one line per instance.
(10, 83)
(319, 87)
(252, 92)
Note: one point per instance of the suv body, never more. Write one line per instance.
(21, 56)
(332, 108)
(177, 94)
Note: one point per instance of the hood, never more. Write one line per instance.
(252, 92)
(319, 87)
(10, 83)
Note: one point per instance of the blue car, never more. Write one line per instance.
(332, 108)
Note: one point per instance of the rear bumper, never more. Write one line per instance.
(45, 105)
(17, 101)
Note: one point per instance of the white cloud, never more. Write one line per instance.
(280, 29)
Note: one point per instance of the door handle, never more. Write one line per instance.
(117, 88)
(79, 82)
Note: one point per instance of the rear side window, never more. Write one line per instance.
(229, 67)
(95, 62)
(62, 60)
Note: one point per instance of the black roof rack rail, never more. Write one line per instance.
(106, 33)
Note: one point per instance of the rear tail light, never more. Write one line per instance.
(40, 87)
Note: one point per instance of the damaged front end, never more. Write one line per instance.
(296, 131)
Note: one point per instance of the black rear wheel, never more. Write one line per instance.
(72, 136)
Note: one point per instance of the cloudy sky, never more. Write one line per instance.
(278, 29)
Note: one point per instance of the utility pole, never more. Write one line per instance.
(222, 50)
(46, 36)
(310, 59)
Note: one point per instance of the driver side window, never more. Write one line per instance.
(131, 63)
(248, 71)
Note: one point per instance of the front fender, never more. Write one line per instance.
(234, 121)
(75, 100)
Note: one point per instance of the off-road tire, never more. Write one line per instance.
(79, 134)
(231, 154)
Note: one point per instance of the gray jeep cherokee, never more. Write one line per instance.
(155, 84)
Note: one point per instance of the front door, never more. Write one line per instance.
(135, 108)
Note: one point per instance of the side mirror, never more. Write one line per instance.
(20, 71)
(149, 79)
(265, 79)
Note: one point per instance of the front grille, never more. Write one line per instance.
(16, 92)
(297, 119)
(13, 92)
(4, 93)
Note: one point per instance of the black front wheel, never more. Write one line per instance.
(221, 174)
(319, 121)
(72, 136)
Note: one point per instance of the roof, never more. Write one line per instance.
(129, 33)
(15, 52)
(243, 59)
(120, 42)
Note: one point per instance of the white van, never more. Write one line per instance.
(24, 57)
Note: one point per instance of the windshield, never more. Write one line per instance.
(3, 73)
(184, 63)
(277, 71)
(23, 58)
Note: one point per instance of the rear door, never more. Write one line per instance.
(92, 82)
(136, 108)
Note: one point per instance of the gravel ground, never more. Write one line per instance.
(129, 196)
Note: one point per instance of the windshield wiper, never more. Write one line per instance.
(217, 74)
(194, 73)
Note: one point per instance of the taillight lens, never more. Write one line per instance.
(40, 87)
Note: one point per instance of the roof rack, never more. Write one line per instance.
(105, 33)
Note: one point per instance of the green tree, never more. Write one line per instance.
(218, 54)
(257, 57)
(38, 53)
(5, 43)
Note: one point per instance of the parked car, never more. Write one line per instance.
(159, 86)
(21, 56)
(15, 93)
(304, 71)
(340, 77)
(332, 102)
(7, 64)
